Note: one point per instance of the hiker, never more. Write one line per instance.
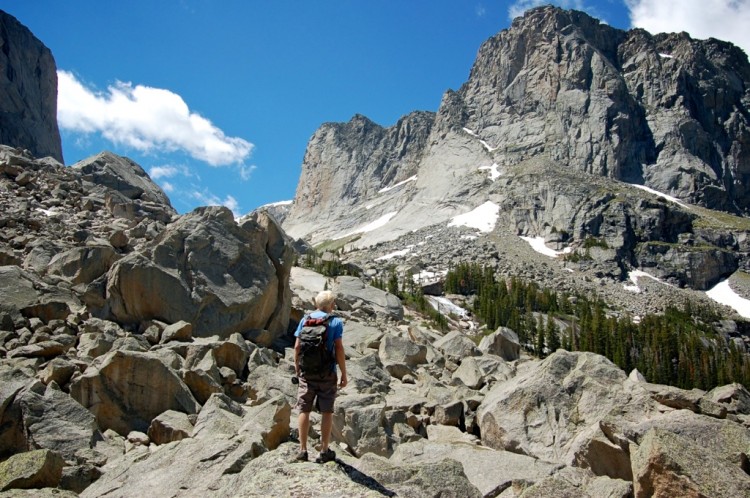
(320, 385)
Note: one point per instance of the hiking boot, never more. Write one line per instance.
(326, 456)
(301, 456)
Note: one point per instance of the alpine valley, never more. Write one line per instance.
(544, 286)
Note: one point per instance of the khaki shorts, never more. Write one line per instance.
(322, 387)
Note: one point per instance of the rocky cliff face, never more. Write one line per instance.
(664, 111)
(567, 129)
(28, 91)
(346, 164)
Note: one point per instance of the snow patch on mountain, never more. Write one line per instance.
(395, 254)
(483, 218)
(445, 306)
(634, 276)
(386, 189)
(537, 243)
(279, 203)
(379, 223)
(722, 293)
(494, 171)
(661, 194)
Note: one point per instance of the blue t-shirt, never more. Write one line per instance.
(335, 331)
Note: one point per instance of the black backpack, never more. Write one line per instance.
(315, 359)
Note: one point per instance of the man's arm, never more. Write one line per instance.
(338, 344)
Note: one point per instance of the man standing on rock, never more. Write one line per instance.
(323, 385)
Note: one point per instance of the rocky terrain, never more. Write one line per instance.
(146, 353)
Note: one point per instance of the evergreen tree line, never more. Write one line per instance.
(411, 296)
(330, 266)
(679, 347)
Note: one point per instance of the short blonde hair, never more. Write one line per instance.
(324, 299)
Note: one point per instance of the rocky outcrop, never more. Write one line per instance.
(666, 464)
(35, 469)
(119, 213)
(352, 293)
(120, 174)
(164, 412)
(559, 115)
(206, 270)
(381, 157)
(28, 91)
(107, 391)
(553, 410)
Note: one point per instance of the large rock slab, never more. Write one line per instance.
(666, 464)
(367, 375)
(362, 338)
(206, 270)
(170, 426)
(722, 442)
(572, 482)
(445, 478)
(503, 342)
(12, 433)
(28, 91)
(33, 469)
(129, 389)
(553, 408)
(401, 355)
(23, 291)
(83, 265)
(352, 293)
(359, 421)
(489, 470)
(195, 465)
(456, 346)
(55, 421)
(123, 175)
(734, 397)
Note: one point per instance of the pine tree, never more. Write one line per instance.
(539, 341)
(393, 282)
(552, 334)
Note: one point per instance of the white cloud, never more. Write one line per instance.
(480, 10)
(146, 119)
(170, 171)
(167, 187)
(722, 19)
(246, 171)
(162, 172)
(209, 199)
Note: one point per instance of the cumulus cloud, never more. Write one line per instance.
(246, 171)
(162, 172)
(169, 171)
(722, 19)
(208, 199)
(145, 118)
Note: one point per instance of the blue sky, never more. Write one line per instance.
(217, 99)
